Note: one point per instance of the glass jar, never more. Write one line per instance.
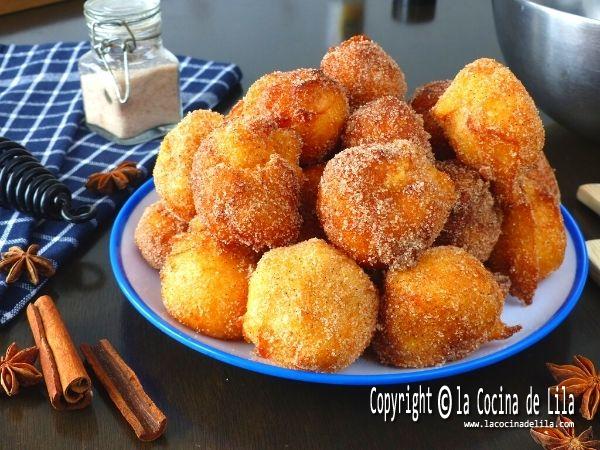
(129, 81)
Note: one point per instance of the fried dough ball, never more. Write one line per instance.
(440, 310)
(551, 240)
(311, 227)
(246, 184)
(424, 98)
(364, 69)
(515, 253)
(246, 143)
(306, 101)
(310, 307)
(174, 161)
(532, 243)
(492, 124)
(155, 232)
(204, 285)
(384, 203)
(384, 120)
(475, 221)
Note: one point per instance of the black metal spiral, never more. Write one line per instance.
(27, 186)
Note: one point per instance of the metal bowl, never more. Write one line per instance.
(553, 46)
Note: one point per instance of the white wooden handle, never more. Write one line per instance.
(589, 195)
(593, 248)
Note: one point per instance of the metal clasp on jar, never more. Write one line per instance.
(104, 46)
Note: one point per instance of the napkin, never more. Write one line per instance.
(41, 108)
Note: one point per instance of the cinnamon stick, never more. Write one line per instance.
(124, 389)
(68, 384)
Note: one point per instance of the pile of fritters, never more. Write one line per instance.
(325, 213)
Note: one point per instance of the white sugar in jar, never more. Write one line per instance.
(129, 81)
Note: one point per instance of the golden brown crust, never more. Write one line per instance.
(306, 101)
(424, 98)
(438, 311)
(533, 240)
(247, 142)
(385, 119)
(476, 219)
(515, 253)
(364, 69)
(246, 184)
(551, 240)
(155, 232)
(492, 124)
(253, 207)
(384, 203)
(174, 161)
(310, 307)
(204, 285)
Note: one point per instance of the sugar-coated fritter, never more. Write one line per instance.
(541, 187)
(475, 221)
(304, 100)
(310, 307)
(174, 161)
(246, 143)
(155, 232)
(424, 98)
(440, 310)
(515, 252)
(384, 120)
(311, 227)
(204, 285)
(492, 124)
(364, 69)
(246, 184)
(532, 243)
(384, 203)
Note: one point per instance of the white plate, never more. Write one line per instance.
(555, 298)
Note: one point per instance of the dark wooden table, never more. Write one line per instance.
(212, 405)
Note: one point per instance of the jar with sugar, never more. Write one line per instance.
(129, 81)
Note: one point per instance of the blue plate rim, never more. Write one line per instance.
(333, 378)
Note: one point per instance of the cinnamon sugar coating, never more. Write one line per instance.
(310, 307)
(174, 161)
(438, 311)
(384, 120)
(383, 204)
(475, 221)
(246, 184)
(204, 285)
(424, 98)
(155, 232)
(533, 240)
(364, 69)
(303, 100)
(492, 124)
(246, 142)
(541, 188)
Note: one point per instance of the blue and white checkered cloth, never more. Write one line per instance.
(41, 108)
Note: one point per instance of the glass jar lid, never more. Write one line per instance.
(105, 18)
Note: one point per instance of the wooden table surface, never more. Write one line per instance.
(215, 406)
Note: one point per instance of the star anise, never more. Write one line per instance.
(16, 260)
(17, 369)
(580, 379)
(117, 179)
(562, 436)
